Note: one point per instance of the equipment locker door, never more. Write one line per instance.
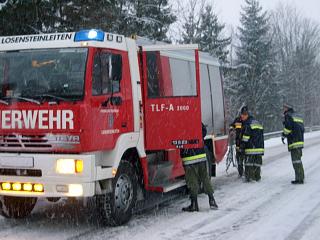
(171, 95)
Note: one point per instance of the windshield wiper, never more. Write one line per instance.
(56, 97)
(4, 102)
(23, 98)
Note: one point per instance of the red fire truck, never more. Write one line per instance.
(94, 115)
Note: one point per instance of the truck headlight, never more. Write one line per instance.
(69, 166)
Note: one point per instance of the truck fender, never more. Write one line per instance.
(126, 141)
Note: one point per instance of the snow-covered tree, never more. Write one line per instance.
(252, 80)
(23, 17)
(201, 26)
(191, 18)
(150, 18)
(297, 44)
(211, 39)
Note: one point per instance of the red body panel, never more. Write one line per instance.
(177, 169)
(221, 147)
(94, 127)
(170, 121)
(109, 122)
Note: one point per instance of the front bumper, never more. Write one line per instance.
(54, 184)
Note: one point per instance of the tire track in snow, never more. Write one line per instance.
(283, 152)
(255, 214)
(306, 224)
(83, 230)
(255, 207)
(111, 234)
(243, 201)
(47, 219)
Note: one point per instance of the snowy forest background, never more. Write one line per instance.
(271, 58)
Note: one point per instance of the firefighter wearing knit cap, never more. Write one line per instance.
(253, 145)
(293, 130)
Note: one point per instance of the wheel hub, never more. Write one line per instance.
(123, 192)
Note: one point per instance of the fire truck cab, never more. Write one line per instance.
(93, 115)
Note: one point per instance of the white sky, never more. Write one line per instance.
(229, 10)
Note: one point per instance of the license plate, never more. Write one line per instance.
(15, 161)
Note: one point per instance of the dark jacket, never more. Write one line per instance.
(293, 130)
(194, 155)
(253, 137)
(237, 126)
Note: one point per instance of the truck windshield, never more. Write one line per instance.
(45, 74)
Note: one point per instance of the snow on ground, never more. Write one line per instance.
(270, 209)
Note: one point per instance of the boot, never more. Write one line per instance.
(193, 206)
(212, 202)
(297, 182)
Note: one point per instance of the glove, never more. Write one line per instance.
(282, 139)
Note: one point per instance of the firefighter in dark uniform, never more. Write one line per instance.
(195, 166)
(253, 145)
(293, 131)
(237, 127)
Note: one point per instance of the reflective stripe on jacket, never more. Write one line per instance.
(237, 125)
(293, 130)
(194, 155)
(254, 151)
(253, 137)
(194, 159)
(296, 145)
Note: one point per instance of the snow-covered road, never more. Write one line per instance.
(271, 209)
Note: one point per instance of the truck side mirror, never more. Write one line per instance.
(117, 101)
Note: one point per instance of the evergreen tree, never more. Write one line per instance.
(80, 14)
(210, 35)
(24, 17)
(191, 25)
(253, 78)
(150, 18)
(205, 30)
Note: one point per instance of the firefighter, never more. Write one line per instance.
(293, 131)
(195, 166)
(253, 145)
(237, 127)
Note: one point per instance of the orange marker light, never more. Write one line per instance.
(79, 166)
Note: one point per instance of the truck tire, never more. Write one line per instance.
(115, 208)
(16, 207)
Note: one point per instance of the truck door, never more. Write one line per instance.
(171, 95)
(109, 104)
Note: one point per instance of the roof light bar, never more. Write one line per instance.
(89, 35)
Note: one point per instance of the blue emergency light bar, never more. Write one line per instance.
(89, 35)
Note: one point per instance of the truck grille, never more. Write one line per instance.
(24, 142)
(20, 172)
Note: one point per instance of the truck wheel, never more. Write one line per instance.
(16, 207)
(115, 208)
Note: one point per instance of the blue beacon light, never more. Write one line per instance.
(89, 35)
